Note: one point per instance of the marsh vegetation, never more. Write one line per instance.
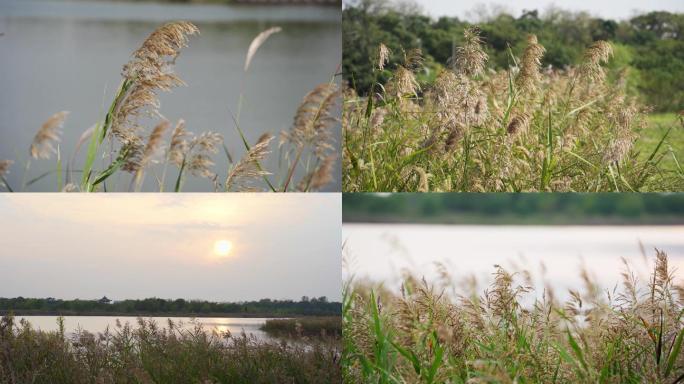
(493, 114)
(443, 331)
(149, 353)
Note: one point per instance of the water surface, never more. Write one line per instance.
(382, 252)
(98, 324)
(61, 55)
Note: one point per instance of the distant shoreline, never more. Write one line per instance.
(512, 221)
(324, 3)
(157, 314)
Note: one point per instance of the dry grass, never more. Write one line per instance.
(316, 327)
(149, 353)
(130, 138)
(426, 335)
(523, 129)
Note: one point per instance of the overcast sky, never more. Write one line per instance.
(134, 246)
(614, 9)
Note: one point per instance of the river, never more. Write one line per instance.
(381, 252)
(98, 324)
(68, 55)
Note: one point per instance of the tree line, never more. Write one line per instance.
(316, 306)
(510, 207)
(651, 45)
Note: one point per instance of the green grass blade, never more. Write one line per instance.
(113, 167)
(674, 354)
(177, 188)
(90, 157)
(437, 360)
(576, 348)
(409, 355)
(642, 173)
(247, 147)
(40, 177)
(59, 170)
(612, 176)
(4, 181)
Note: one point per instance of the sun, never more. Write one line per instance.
(222, 248)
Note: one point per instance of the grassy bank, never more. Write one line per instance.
(305, 326)
(226, 2)
(515, 209)
(512, 219)
(631, 334)
(149, 353)
(520, 129)
(315, 306)
(142, 314)
(658, 125)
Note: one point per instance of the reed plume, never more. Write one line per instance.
(383, 56)
(5, 166)
(198, 158)
(320, 176)
(312, 128)
(623, 138)
(470, 58)
(179, 144)
(258, 42)
(151, 150)
(154, 143)
(413, 59)
(599, 52)
(518, 124)
(405, 82)
(150, 71)
(314, 119)
(247, 168)
(49, 134)
(529, 76)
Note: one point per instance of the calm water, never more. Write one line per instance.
(96, 324)
(382, 252)
(61, 55)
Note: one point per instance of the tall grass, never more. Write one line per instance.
(442, 332)
(523, 129)
(149, 353)
(131, 136)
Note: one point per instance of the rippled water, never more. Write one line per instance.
(68, 55)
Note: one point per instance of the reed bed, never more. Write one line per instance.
(149, 353)
(131, 138)
(443, 332)
(523, 129)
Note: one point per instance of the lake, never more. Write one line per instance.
(68, 55)
(381, 252)
(97, 324)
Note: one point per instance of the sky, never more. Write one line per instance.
(614, 9)
(131, 246)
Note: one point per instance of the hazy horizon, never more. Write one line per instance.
(611, 9)
(135, 246)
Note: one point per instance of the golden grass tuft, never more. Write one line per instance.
(49, 134)
(247, 169)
